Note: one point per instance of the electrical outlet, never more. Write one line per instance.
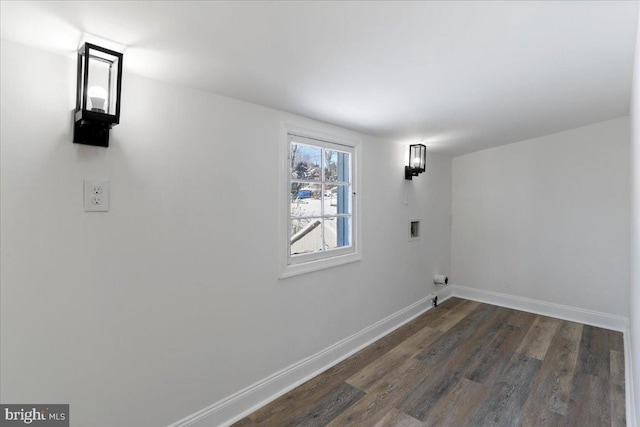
(414, 229)
(96, 195)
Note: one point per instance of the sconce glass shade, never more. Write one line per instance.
(97, 95)
(417, 161)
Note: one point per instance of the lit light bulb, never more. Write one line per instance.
(98, 97)
(416, 161)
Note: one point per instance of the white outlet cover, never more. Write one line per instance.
(96, 195)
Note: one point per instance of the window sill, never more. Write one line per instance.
(317, 265)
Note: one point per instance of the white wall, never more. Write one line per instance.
(635, 229)
(547, 219)
(171, 301)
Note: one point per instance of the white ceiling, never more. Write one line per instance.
(463, 76)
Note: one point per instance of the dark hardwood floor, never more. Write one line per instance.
(466, 363)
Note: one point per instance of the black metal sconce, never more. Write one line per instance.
(417, 161)
(97, 95)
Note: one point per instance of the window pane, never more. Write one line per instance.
(336, 166)
(330, 165)
(337, 200)
(306, 162)
(337, 232)
(306, 235)
(305, 199)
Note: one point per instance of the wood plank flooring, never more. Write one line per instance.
(466, 363)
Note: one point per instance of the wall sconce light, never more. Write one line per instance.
(97, 95)
(417, 161)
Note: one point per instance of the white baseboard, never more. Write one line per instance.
(444, 292)
(628, 381)
(565, 312)
(235, 407)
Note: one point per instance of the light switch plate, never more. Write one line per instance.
(96, 195)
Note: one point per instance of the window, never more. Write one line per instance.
(321, 221)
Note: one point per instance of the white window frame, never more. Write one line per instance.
(293, 265)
